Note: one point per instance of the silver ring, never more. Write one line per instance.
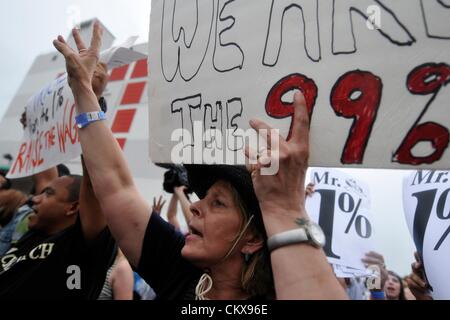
(82, 50)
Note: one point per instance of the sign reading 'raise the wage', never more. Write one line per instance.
(51, 133)
(374, 75)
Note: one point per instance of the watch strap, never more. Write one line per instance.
(282, 239)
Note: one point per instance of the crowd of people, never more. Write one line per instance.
(95, 237)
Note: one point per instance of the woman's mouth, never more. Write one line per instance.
(193, 232)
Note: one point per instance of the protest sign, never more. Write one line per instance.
(346, 272)
(426, 202)
(374, 75)
(341, 206)
(51, 134)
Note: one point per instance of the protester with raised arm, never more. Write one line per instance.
(172, 211)
(226, 254)
(68, 248)
(67, 233)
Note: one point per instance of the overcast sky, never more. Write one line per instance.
(27, 29)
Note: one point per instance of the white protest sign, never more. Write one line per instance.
(339, 273)
(346, 272)
(426, 201)
(51, 135)
(374, 75)
(341, 206)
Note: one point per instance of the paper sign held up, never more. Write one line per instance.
(426, 201)
(341, 206)
(51, 134)
(374, 74)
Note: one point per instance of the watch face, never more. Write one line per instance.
(103, 105)
(317, 234)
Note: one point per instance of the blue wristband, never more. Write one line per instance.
(84, 119)
(377, 295)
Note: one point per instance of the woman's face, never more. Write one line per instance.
(214, 226)
(392, 288)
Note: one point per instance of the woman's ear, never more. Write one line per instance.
(252, 244)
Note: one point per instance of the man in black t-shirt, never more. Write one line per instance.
(68, 249)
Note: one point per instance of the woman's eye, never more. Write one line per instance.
(218, 203)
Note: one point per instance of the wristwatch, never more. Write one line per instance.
(103, 104)
(84, 119)
(308, 232)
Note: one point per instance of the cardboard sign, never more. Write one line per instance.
(426, 201)
(341, 206)
(374, 75)
(51, 135)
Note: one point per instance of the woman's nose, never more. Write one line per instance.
(195, 208)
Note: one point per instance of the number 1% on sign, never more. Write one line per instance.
(347, 205)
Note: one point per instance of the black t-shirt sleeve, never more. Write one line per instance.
(161, 264)
(95, 257)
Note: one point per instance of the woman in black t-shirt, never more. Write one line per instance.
(225, 241)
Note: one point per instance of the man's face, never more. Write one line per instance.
(51, 207)
(214, 226)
